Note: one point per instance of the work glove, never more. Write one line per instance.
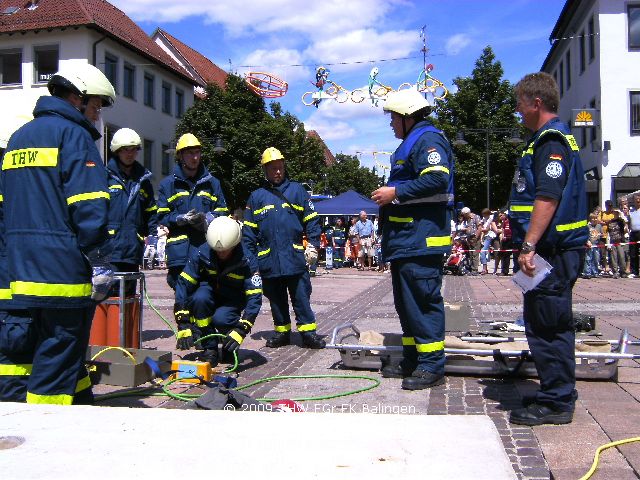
(236, 336)
(188, 332)
(101, 272)
(199, 221)
(190, 218)
(101, 281)
(311, 255)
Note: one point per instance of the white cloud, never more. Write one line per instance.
(316, 19)
(330, 130)
(275, 61)
(341, 121)
(457, 43)
(362, 45)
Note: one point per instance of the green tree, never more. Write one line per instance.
(482, 101)
(347, 174)
(240, 118)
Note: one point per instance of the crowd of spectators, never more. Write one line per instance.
(611, 251)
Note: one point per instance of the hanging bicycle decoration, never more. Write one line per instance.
(428, 84)
(267, 85)
(376, 90)
(333, 91)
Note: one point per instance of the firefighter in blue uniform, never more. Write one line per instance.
(132, 209)
(277, 216)
(188, 199)
(55, 205)
(415, 221)
(548, 212)
(221, 287)
(339, 240)
(17, 334)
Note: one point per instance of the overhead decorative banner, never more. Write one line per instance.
(267, 85)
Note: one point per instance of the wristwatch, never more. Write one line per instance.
(527, 247)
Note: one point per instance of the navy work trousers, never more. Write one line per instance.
(17, 345)
(299, 289)
(58, 364)
(550, 330)
(416, 293)
(220, 316)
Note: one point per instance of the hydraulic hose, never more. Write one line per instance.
(601, 448)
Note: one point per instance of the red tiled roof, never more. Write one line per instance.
(329, 158)
(97, 14)
(208, 71)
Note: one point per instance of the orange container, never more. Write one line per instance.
(105, 329)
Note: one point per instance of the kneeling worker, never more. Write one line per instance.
(221, 288)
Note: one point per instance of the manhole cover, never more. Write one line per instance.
(10, 442)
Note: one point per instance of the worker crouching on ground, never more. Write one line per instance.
(188, 199)
(416, 219)
(56, 201)
(221, 287)
(132, 209)
(277, 216)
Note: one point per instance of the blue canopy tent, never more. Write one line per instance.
(347, 203)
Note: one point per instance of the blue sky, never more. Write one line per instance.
(271, 35)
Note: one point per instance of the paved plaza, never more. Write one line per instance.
(606, 410)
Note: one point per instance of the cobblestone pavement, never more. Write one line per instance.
(606, 410)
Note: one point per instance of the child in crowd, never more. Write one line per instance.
(592, 257)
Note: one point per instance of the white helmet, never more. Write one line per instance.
(406, 102)
(223, 233)
(85, 80)
(8, 125)
(125, 137)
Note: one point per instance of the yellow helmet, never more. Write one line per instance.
(186, 141)
(271, 154)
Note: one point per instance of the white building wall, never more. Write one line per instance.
(608, 79)
(150, 123)
(77, 46)
(619, 74)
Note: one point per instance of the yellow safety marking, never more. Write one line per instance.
(439, 241)
(36, 289)
(188, 278)
(30, 157)
(429, 347)
(87, 196)
(178, 194)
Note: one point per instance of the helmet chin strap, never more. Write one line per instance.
(404, 127)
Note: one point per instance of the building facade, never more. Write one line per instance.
(595, 59)
(153, 91)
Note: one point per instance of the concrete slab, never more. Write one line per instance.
(92, 442)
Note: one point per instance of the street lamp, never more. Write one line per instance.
(513, 139)
(219, 145)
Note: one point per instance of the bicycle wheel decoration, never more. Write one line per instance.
(428, 85)
(267, 85)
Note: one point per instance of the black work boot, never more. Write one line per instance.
(312, 340)
(280, 339)
(209, 355)
(536, 414)
(396, 371)
(421, 379)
